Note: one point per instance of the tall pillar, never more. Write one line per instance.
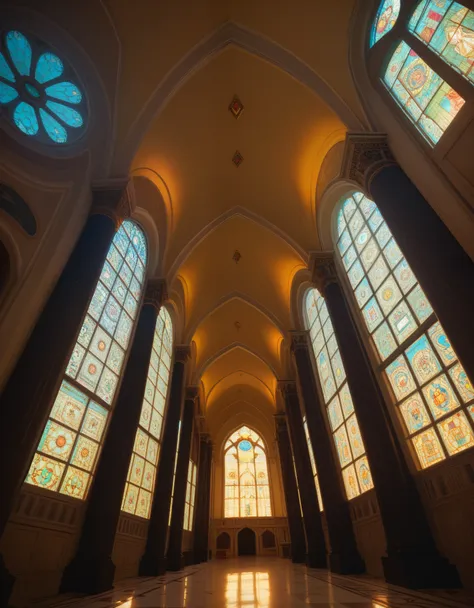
(153, 562)
(344, 557)
(92, 569)
(28, 394)
(203, 492)
(412, 557)
(442, 267)
(290, 488)
(175, 556)
(315, 542)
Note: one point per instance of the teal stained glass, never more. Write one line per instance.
(385, 19)
(447, 28)
(425, 97)
(39, 102)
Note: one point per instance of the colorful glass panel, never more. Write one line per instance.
(447, 28)
(246, 481)
(331, 371)
(428, 382)
(71, 441)
(425, 97)
(385, 19)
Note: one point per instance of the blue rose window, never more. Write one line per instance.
(38, 91)
(245, 445)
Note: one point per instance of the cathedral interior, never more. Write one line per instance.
(236, 303)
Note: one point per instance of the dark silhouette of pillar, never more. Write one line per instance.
(29, 392)
(175, 556)
(436, 257)
(412, 557)
(315, 543)
(344, 557)
(153, 562)
(203, 495)
(92, 569)
(290, 488)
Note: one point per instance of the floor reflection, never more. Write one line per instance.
(250, 589)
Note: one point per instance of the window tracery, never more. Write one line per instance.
(433, 395)
(247, 487)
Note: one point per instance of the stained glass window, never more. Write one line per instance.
(429, 385)
(190, 495)
(140, 484)
(71, 441)
(425, 97)
(36, 88)
(247, 486)
(385, 19)
(336, 393)
(447, 28)
(313, 464)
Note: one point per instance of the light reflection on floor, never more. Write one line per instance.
(257, 583)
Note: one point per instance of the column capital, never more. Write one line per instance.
(280, 420)
(182, 352)
(323, 270)
(192, 393)
(155, 293)
(112, 198)
(287, 388)
(365, 154)
(299, 340)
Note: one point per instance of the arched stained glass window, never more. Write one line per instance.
(337, 397)
(140, 484)
(247, 487)
(434, 396)
(424, 96)
(313, 464)
(39, 91)
(385, 19)
(71, 441)
(447, 28)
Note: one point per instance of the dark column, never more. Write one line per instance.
(92, 569)
(315, 543)
(412, 557)
(344, 557)
(153, 562)
(203, 492)
(28, 394)
(175, 556)
(435, 256)
(293, 511)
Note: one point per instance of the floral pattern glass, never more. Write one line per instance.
(385, 19)
(428, 383)
(246, 484)
(38, 91)
(447, 28)
(337, 396)
(71, 441)
(140, 484)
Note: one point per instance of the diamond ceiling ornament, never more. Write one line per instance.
(237, 159)
(237, 255)
(236, 107)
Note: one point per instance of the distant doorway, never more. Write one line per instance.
(247, 542)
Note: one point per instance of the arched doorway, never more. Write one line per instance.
(247, 542)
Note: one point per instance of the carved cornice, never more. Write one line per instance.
(365, 155)
(299, 340)
(323, 270)
(155, 293)
(287, 388)
(113, 199)
(182, 353)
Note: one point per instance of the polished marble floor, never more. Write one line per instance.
(260, 583)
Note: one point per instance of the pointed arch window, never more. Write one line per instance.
(247, 486)
(447, 28)
(337, 397)
(70, 445)
(138, 493)
(434, 397)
